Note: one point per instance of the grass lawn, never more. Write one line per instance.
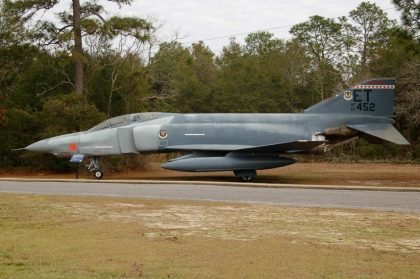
(89, 237)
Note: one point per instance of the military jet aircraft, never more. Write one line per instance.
(238, 142)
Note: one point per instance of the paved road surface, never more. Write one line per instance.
(377, 200)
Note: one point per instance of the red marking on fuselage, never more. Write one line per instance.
(375, 82)
(72, 147)
(361, 86)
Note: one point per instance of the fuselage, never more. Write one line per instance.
(168, 132)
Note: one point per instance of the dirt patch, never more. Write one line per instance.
(362, 229)
(364, 174)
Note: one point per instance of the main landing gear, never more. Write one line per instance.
(245, 175)
(95, 168)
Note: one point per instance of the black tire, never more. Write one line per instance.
(247, 178)
(98, 174)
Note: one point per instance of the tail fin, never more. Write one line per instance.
(371, 97)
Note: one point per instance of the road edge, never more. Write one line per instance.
(219, 183)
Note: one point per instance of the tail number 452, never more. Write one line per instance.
(361, 102)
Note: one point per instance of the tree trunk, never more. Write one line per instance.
(364, 54)
(78, 49)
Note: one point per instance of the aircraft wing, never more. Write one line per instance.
(286, 147)
(207, 147)
(383, 131)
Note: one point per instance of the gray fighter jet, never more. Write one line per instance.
(238, 142)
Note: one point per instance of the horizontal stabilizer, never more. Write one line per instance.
(289, 147)
(384, 131)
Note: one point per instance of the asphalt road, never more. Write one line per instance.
(376, 200)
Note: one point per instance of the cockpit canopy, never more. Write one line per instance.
(126, 119)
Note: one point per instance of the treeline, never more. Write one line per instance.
(44, 92)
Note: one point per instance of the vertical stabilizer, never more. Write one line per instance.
(371, 97)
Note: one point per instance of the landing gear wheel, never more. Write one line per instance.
(99, 174)
(95, 168)
(245, 175)
(247, 178)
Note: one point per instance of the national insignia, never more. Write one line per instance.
(163, 134)
(348, 95)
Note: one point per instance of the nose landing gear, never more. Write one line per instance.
(94, 167)
(98, 174)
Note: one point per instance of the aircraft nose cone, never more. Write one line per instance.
(39, 146)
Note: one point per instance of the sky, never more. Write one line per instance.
(207, 20)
